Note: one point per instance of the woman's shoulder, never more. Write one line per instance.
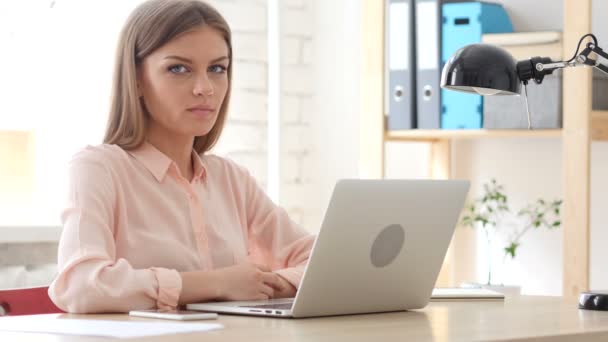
(106, 155)
(223, 165)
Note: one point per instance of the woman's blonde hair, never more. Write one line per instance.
(150, 26)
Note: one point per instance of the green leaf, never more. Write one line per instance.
(511, 249)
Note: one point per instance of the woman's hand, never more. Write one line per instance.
(288, 291)
(249, 282)
(239, 282)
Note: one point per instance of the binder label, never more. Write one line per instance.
(428, 26)
(398, 36)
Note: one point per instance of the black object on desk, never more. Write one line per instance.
(593, 301)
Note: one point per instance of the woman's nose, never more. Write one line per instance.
(203, 86)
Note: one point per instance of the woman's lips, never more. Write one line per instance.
(201, 112)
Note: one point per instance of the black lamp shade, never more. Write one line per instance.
(481, 69)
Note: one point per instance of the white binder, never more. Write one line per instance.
(428, 56)
(400, 98)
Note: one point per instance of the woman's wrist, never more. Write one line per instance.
(200, 286)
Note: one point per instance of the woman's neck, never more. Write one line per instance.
(177, 148)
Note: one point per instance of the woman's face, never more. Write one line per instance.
(183, 83)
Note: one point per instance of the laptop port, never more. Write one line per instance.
(269, 311)
(278, 312)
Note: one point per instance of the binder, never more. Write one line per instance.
(400, 96)
(428, 60)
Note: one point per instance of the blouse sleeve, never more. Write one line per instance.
(90, 277)
(274, 239)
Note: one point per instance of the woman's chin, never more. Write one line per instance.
(200, 130)
(200, 134)
(196, 129)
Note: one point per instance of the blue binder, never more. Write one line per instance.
(463, 24)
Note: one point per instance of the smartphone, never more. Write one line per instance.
(180, 315)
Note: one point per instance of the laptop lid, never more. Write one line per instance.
(381, 246)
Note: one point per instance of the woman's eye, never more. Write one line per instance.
(178, 69)
(218, 69)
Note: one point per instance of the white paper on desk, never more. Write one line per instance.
(459, 293)
(52, 324)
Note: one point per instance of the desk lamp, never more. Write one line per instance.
(490, 70)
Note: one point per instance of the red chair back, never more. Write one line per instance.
(26, 301)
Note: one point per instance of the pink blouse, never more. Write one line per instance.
(132, 223)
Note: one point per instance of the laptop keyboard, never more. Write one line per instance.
(281, 306)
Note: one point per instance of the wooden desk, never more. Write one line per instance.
(521, 318)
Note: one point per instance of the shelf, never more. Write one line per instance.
(599, 132)
(583, 127)
(440, 134)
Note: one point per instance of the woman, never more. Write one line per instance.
(153, 220)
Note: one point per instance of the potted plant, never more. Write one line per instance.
(538, 215)
(487, 212)
(491, 211)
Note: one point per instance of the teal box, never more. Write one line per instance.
(463, 24)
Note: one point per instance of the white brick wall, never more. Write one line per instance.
(306, 109)
(290, 108)
(244, 138)
(290, 50)
(299, 4)
(307, 50)
(297, 21)
(296, 138)
(248, 106)
(297, 79)
(243, 15)
(249, 46)
(250, 75)
(298, 158)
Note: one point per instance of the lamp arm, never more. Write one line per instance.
(584, 57)
(537, 67)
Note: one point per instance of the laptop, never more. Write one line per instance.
(379, 249)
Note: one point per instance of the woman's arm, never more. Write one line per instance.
(91, 278)
(274, 238)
